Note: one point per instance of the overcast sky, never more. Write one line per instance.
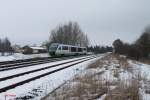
(30, 21)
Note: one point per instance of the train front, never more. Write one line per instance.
(52, 49)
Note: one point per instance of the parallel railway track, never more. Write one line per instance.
(4, 66)
(14, 62)
(64, 64)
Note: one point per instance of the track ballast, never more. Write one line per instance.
(64, 65)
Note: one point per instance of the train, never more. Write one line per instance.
(57, 49)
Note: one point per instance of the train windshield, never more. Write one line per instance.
(53, 47)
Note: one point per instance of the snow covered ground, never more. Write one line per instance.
(117, 77)
(17, 56)
(45, 84)
(144, 71)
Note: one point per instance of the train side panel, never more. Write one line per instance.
(66, 50)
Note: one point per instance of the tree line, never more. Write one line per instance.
(137, 50)
(100, 49)
(5, 46)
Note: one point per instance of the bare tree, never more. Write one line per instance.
(5, 46)
(139, 49)
(69, 34)
(144, 43)
(118, 44)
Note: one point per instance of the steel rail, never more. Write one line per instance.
(39, 76)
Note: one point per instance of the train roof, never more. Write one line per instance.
(66, 45)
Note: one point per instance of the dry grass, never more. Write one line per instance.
(111, 58)
(123, 62)
(125, 91)
(116, 73)
(90, 86)
(85, 87)
(146, 61)
(98, 63)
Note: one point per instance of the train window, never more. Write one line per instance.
(84, 49)
(73, 49)
(53, 47)
(79, 49)
(59, 48)
(64, 47)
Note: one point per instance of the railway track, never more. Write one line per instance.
(38, 73)
(11, 63)
(28, 72)
(4, 66)
(21, 60)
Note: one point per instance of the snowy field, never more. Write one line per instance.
(18, 56)
(117, 76)
(43, 85)
(108, 78)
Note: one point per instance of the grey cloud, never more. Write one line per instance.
(30, 21)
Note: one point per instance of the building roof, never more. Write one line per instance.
(38, 48)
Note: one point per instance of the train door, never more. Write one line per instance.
(59, 50)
